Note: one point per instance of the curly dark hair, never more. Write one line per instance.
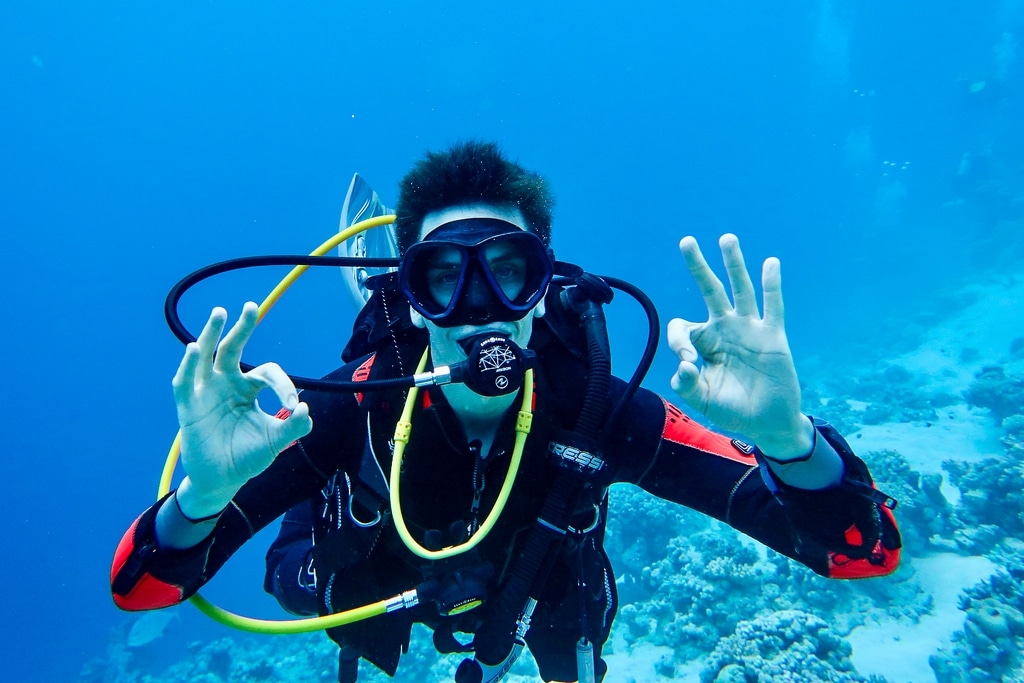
(470, 172)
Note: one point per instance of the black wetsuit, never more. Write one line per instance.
(655, 447)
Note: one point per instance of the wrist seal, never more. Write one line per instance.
(799, 458)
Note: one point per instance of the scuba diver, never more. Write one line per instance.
(500, 447)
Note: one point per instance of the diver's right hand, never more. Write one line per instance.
(226, 439)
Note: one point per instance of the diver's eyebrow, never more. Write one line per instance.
(502, 258)
(499, 251)
(445, 258)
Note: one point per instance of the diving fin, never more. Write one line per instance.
(362, 203)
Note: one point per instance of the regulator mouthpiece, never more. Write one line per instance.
(495, 365)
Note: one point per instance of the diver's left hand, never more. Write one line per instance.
(746, 381)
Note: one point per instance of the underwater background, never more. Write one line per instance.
(875, 147)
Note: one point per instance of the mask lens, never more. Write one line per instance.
(517, 266)
(443, 273)
(433, 276)
(507, 265)
(503, 275)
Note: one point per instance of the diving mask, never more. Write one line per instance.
(475, 271)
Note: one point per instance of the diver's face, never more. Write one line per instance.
(444, 341)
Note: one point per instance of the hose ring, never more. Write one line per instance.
(593, 525)
(362, 525)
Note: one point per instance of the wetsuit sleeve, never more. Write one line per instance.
(145, 575)
(842, 531)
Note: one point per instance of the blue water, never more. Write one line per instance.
(140, 141)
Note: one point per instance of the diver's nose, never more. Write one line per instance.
(478, 301)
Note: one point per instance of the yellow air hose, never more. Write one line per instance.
(268, 303)
(402, 431)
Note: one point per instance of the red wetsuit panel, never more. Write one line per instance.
(882, 562)
(148, 592)
(682, 430)
(362, 373)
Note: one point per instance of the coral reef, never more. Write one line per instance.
(991, 505)
(696, 593)
(787, 646)
(895, 395)
(992, 388)
(892, 394)
(631, 508)
(706, 582)
(301, 658)
(990, 646)
(839, 412)
(1013, 437)
(305, 657)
